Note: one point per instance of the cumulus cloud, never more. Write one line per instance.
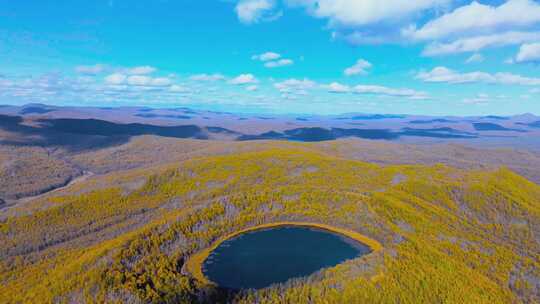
(140, 70)
(382, 90)
(207, 77)
(367, 21)
(295, 85)
(244, 79)
(90, 69)
(139, 80)
(266, 56)
(115, 79)
(475, 44)
(467, 28)
(336, 87)
(476, 26)
(359, 68)
(278, 63)
(358, 13)
(475, 58)
(160, 82)
(252, 88)
(479, 99)
(116, 87)
(509, 61)
(254, 11)
(179, 89)
(445, 75)
(528, 53)
(49, 87)
(272, 60)
(479, 18)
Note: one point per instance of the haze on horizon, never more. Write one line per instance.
(431, 57)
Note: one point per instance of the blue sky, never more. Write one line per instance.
(435, 57)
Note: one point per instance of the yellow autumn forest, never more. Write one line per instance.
(448, 235)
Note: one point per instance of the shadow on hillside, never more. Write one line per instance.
(90, 134)
(322, 134)
(93, 134)
(26, 135)
(486, 126)
(534, 124)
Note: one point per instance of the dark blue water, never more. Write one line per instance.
(260, 258)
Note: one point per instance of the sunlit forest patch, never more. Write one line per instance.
(448, 235)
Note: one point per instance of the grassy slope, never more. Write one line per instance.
(449, 235)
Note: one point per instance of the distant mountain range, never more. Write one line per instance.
(50, 122)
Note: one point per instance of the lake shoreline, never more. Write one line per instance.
(194, 264)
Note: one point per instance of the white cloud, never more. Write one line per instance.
(179, 89)
(480, 99)
(357, 13)
(139, 80)
(445, 75)
(295, 85)
(266, 56)
(244, 79)
(90, 69)
(54, 88)
(475, 44)
(207, 77)
(115, 79)
(528, 53)
(252, 88)
(160, 82)
(336, 87)
(483, 95)
(381, 90)
(369, 21)
(278, 63)
(509, 61)
(358, 68)
(508, 78)
(360, 37)
(272, 60)
(254, 11)
(476, 26)
(475, 58)
(85, 79)
(477, 18)
(140, 70)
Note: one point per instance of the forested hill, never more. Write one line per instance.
(449, 235)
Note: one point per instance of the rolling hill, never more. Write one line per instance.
(448, 235)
